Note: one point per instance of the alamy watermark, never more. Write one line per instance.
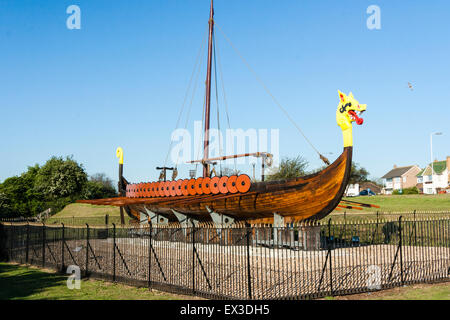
(74, 20)
(374, 280)
(188, 147)
(374, 20)
(74, 280)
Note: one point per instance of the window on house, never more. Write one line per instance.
(404, 179)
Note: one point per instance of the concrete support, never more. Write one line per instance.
(143, 218)
(278, 225)
(184, 220)
(156, 219)
(220, 220)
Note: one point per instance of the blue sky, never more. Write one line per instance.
(120, 80)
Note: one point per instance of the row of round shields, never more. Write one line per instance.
(190, 187)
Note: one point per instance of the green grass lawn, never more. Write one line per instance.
(394, 206)
(437, 291)
(405, 202)
(87, 210)
(29, 283)
(81, 213)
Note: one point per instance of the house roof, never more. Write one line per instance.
(438, 168)
(370, 185)
(396, 172)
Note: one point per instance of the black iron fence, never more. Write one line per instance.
(301, 261)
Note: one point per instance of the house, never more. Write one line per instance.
(370, 186)
(433, 183)
(400, 178)
(353, 190)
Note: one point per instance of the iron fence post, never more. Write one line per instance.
(87, 250)
(43, 245)
(150, 255)
(400, 243)
(249, 276)
(62, 247)
(10, 241)
(193, 258)
(114, 252)
(28, 243)
(329, 252)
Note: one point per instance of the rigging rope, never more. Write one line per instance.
(225, 99)
(197, 62)
(322, 157)
(217, 103)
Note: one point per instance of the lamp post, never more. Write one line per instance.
(432, 165)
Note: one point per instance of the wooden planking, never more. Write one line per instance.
(312, 196)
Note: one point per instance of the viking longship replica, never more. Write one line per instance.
(224, 199)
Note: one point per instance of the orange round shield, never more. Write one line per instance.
(145, 190)
(141, 190)
(161, 188)
(223, 184)
(138, 192)
(150, 194)
(231, 184)
(205, 185)
(156, 189)
(243, 183)
(167, 189)
(198, 185)
(184, 187)
(214, 185)
(191, 187)
(152, 190)
(172, 188)
(178, 187)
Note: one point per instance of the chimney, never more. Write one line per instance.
(395, 166)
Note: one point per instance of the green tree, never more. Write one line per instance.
(99, 186)
(358, 174)
(288, 168)
(19, 196)
(61, 178)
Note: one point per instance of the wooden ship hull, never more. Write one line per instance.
(309, 197)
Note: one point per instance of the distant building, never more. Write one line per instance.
(354, 190)
(400, 178)
(432, 184)
(370, 186)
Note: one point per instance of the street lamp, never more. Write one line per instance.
(432, 165)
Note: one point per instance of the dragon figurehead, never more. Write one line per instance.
(348, 111)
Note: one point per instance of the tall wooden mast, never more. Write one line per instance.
(208, 93)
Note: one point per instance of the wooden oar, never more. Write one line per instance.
(366, 205)
(350, 207)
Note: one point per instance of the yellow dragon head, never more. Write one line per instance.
(348, 111)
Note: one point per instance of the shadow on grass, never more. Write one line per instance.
(17, 282)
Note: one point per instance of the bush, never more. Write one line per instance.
(412, 190)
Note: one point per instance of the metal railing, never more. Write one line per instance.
(301, 261)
